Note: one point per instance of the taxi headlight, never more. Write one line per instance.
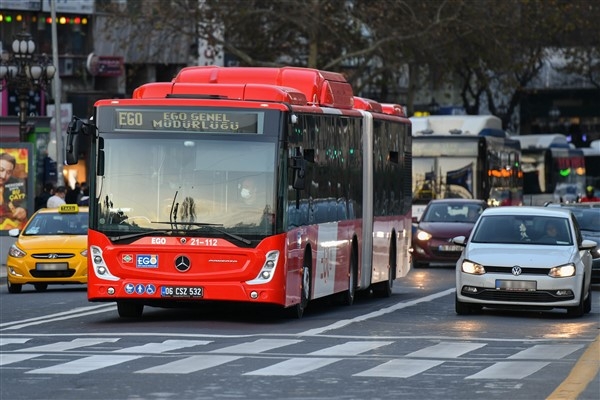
(422, 235)
(16, 252)
(469, 267)
(562, 271)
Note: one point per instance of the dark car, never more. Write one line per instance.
(442, 220)
(588, 218)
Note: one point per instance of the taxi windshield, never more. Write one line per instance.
(57, 224)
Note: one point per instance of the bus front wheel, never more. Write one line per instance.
(297, 311)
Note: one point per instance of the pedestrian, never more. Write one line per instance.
(42, 200)
(58, 199)
(589, 196)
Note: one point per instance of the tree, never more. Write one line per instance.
(388, 50)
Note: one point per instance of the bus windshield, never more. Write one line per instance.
(443, 177)
(157, 183)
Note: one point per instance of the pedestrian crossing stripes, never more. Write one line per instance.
(277, 357)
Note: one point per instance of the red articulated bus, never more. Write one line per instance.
(260, 185)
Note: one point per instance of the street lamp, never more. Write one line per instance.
(24, 71)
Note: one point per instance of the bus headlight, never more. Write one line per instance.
(268, 269)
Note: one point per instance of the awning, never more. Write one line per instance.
(9, 133)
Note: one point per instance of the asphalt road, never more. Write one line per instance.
(56, 345)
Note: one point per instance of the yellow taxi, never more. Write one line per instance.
(51, 249)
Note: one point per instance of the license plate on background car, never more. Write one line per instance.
(517, 286)
(182, 291)
(449, 247)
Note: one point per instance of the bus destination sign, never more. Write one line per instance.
(186, 120)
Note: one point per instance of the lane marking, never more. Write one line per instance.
(294, 366)
(509, 370)
(75, 313)
(585, 370)
(375, 314)
(189, 365)
(349, 348)
(6, 359)
(400, 368)
(64, 346)
(82, 365)
(257, 346)
(546, 352)
(167, 345)
(446, 350)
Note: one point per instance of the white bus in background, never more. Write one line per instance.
(553, 169)
(464, 156)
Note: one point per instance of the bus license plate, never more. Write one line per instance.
(182, 291)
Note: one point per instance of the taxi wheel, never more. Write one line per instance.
(40, 287)
(13, 287)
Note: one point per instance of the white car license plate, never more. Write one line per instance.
(182, 291)
(517, 286)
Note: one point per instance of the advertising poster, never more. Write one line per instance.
(15, 186)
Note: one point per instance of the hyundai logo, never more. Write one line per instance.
(182, 263)
(516, 270)
(52, 255)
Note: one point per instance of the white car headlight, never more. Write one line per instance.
(562, 271)
(422, 235)
(470, 267)
(16, 252)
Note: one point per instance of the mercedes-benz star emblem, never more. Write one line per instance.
(516, 270)
(182, 263)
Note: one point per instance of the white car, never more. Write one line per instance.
(514, 259)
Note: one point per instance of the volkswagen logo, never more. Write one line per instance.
(516, 270)
(182, 263)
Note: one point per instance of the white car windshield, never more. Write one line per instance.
(538, 230)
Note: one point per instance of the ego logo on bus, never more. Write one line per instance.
(125, 118)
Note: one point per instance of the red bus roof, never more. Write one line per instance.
(299, 86)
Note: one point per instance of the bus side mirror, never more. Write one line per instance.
(100, 168)
(74, 132)
(299, 172)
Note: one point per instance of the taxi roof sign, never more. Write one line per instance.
(68, 209)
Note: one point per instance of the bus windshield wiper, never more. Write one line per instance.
(137, 234)
(214, 227)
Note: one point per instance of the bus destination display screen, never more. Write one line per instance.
(187, 121)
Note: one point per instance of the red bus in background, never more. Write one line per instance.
(262, 185)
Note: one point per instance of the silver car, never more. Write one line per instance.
(525, 258)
